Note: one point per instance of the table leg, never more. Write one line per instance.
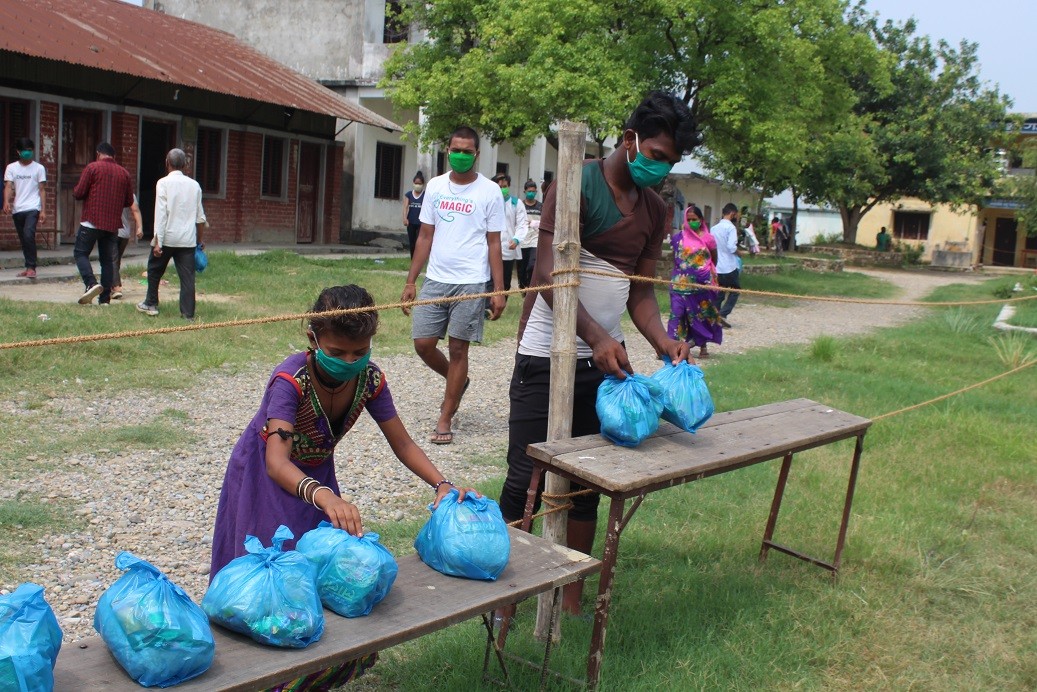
(772, 519)
(601, 604)
(531, 496)
(854, 468)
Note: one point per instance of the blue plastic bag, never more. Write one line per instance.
(154, 630)
(353, 574)
(30, 639)
(465, 539)
(201, 260)
(269, 594)
(685, 396)
(628, 409)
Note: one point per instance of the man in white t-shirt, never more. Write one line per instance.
(728, 264)
(462, 217)
(25, 199)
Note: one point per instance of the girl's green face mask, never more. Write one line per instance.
(338, 369)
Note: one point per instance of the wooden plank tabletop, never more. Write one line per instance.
(671, 456)
(421, 601)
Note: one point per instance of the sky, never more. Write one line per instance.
(1004, 29)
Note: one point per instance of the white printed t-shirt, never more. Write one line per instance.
(462, 215)
(26, 180)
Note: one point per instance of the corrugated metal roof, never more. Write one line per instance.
(112, 35)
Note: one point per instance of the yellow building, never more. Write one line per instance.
(988, 234)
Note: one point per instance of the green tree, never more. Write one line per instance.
(752, 72)
(1024, 187)
(926, 131)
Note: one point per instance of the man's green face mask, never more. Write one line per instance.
(461, 162)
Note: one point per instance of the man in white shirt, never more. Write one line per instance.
(25, 199)
(728, 264)
(179, 219)
(516, 228)
(462, 217)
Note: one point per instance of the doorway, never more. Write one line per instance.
(80, 135)
(157, 137)
(1005, 238)
(309, 189)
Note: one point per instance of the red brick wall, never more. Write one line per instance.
(240, 216)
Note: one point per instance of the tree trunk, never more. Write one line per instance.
(851, 219)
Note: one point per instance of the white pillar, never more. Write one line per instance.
(537, 162)
(426, 160)
(487, 157)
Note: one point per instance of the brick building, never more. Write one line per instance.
(260, 137)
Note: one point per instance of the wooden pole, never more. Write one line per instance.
(572, 145)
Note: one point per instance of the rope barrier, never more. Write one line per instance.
(266, 320)
(798, 296)
(56, 341)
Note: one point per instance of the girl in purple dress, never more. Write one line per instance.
(693, 315)
(282, 470)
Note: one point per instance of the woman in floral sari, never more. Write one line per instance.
(693, 315)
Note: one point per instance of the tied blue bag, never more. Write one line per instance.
(353, 574)
(30, 639)
(269, 594)
(685, 396)
(154, 630)
(465, 539)
(201, 260)
(628, 409)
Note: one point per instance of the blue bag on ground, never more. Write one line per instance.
(154, 630)
(201, 260)
(30, 639)
(353, 574)
(685, 396)
(465, 539)
(269, 594)
(628, 409)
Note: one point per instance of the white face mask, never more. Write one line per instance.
(418, 187)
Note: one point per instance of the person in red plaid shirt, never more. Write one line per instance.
(106, 189)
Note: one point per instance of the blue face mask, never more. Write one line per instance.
(338, 369)
(647, 172)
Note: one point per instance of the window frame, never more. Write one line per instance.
(393, 30)
(285, 152)
(899, 217)
(396, 177)
(221, 172)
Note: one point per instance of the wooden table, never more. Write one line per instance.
(421, 601)
(729, 441)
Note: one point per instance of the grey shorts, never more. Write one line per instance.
(460, 320)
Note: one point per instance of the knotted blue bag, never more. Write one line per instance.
(353, 574)
(152, 627)
(628, 409)
(685, 396)
(201, 260)
(465, 539)
(269, 594)
(30, 639)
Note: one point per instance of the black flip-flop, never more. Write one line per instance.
(437, 437)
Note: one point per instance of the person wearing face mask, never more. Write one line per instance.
(412, 210)
(728, 263)
(282, 469)
(693, 315)
(623, 224)
(533, 209)
(462, 219)
(25, 199)
(516, 228)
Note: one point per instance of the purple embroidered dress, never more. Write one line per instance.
(693, 315)
(251, 503)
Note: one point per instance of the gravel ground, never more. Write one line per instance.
(161, 504)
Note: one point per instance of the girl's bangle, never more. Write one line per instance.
(435, 488)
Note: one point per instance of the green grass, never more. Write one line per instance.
(937, 589)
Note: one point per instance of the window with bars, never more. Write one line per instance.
(273, 167)
(208, 160)
(388, 170)
(394, 30)
(14, 123)
(911, 225)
